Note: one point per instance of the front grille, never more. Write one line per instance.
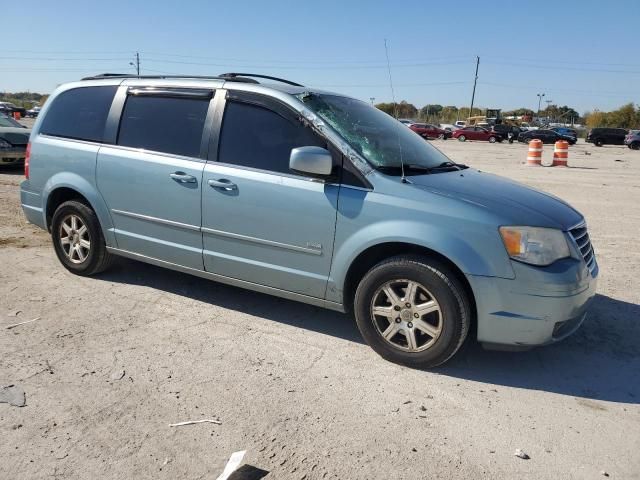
(581, 237)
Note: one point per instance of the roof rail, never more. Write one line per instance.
(231, 77)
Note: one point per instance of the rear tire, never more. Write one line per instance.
(492, 139)
(442, 136)
(412, 310)
(635, 146)
(78, 240)
(462, 138)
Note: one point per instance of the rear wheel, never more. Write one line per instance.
(492, 139)
(635, 146)
(442, 136)
(413, 311)
(462, 138)
(78, 240)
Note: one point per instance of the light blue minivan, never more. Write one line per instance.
(309, 195)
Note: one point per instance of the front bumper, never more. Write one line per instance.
(12, 156)
(539, 306)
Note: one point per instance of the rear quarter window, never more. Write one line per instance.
(80, 113)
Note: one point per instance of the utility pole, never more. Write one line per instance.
(548, 102)
(373, 99)
(540, 95)
(137, 64)
(475, 80)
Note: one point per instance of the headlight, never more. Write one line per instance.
(535, 245)
(5, 144)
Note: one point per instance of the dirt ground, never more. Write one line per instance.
(113, 360)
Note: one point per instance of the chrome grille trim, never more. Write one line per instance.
(582, 241)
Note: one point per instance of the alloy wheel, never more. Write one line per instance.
(406, 315)
(74, 238)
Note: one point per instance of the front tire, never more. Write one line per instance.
(598, 143)
(462, 138)
(78, 240)
(413, 311)
(635, 146)
(492, 139)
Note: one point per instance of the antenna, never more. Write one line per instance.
(395, 110)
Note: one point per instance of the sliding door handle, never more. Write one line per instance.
(182, 177)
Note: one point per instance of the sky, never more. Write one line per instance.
(578, 53)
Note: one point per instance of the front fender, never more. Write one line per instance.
(475, 252)
(78, 183)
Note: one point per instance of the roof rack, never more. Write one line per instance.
(231, 77)
(234, 76)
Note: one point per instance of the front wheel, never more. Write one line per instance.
(598, 143)
(492, 139)
(78, 240)
(462, 138)
(413, 311)
(635, 146)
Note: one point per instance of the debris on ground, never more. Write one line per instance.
(13, 395)
(9, 327)
(232, 465)
(118, 375)
(604, 474)
(14, 313)
(192, 422)
(520, 454)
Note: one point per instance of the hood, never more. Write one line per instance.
(15, 136)
(518, 204)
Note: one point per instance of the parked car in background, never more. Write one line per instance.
(606, 136)
(345, 211)
(460, 124)
(449, 127)
(569, 132)
(527, 126)
(504, 130)
(547, 136)
(14, 138)
(427, 130)
(405, 121)
(477, 133)
(9, 109)
(34, 112)
(632, 140)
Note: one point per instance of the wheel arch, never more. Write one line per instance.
(374, 254)
(68, 186)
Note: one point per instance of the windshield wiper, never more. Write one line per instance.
(412, 168)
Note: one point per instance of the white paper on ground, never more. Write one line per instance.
(232, 464)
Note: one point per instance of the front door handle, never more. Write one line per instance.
(182, 177)
(223, 184)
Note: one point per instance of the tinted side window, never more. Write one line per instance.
(80, 113)
(257, 137)
(163, 124)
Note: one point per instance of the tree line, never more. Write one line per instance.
(627, 116)
(451, 113)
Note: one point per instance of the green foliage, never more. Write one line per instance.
(399, 110)
(627, 116)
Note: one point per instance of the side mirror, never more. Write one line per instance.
(311, 161)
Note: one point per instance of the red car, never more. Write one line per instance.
(477, 133)
(429, 131)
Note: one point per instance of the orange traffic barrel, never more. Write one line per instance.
(560, 154)
(534, 157)
(16, 115)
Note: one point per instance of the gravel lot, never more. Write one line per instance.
(114, 360)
